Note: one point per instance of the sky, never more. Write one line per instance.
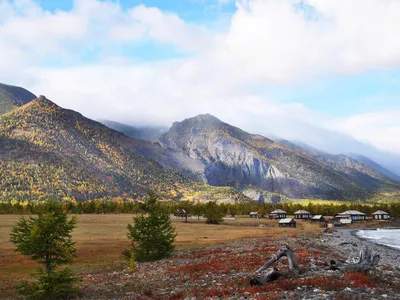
(320, 71)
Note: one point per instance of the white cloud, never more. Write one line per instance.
(380, 128)
(267, 41)
(275, 40)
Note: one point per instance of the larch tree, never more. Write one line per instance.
(152, 233)
(47, 239)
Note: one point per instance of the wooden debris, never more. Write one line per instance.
(266, 273)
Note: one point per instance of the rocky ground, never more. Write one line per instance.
(224, 272)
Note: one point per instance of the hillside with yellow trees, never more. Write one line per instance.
(50, 152)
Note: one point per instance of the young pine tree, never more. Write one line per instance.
(152, 234)
(47, 239)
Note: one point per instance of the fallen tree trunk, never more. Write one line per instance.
(273, 274)
(366, 262)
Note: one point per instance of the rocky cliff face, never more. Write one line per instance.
(232, 156)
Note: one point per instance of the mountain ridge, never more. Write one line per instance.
(232, 156)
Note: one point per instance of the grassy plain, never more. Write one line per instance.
(100, 239)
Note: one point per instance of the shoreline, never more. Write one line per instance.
(354, 233)
(389, 255)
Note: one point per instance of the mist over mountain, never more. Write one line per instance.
(367, 161)
(145, 133)
(326, 140)
(339, 159)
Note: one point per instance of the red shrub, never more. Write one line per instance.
(359, 280)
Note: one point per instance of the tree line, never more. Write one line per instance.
(119, 206)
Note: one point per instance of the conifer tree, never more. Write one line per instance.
(152, 234)
(213, 213)
(47, 239)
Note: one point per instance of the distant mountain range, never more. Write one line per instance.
(47, 151)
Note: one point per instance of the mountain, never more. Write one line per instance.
(12, 97)
(342, 162)
(231, 156)
(366, 161)
(46, 150)
(326, 140)
(145, 133)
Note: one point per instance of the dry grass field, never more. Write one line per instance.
(101, 239)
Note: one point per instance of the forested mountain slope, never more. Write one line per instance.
(46, 150)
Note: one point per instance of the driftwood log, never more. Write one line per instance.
(266, 273)
(366, 262)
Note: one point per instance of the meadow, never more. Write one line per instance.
(100, 240)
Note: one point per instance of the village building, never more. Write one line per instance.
(288, 222)
(302, 214)
(256, 215)
(180, 213)
(318, 218)
(381, 215)
(278, 214)
(354, 215)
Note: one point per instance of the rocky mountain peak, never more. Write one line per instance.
(43, 101)
(199, 122)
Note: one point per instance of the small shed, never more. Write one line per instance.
(346, 221)
(381, 215)
(317, 218)
(288, 222)
(256, 215)
(302, 214)
(278, 214)
(354, 215)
